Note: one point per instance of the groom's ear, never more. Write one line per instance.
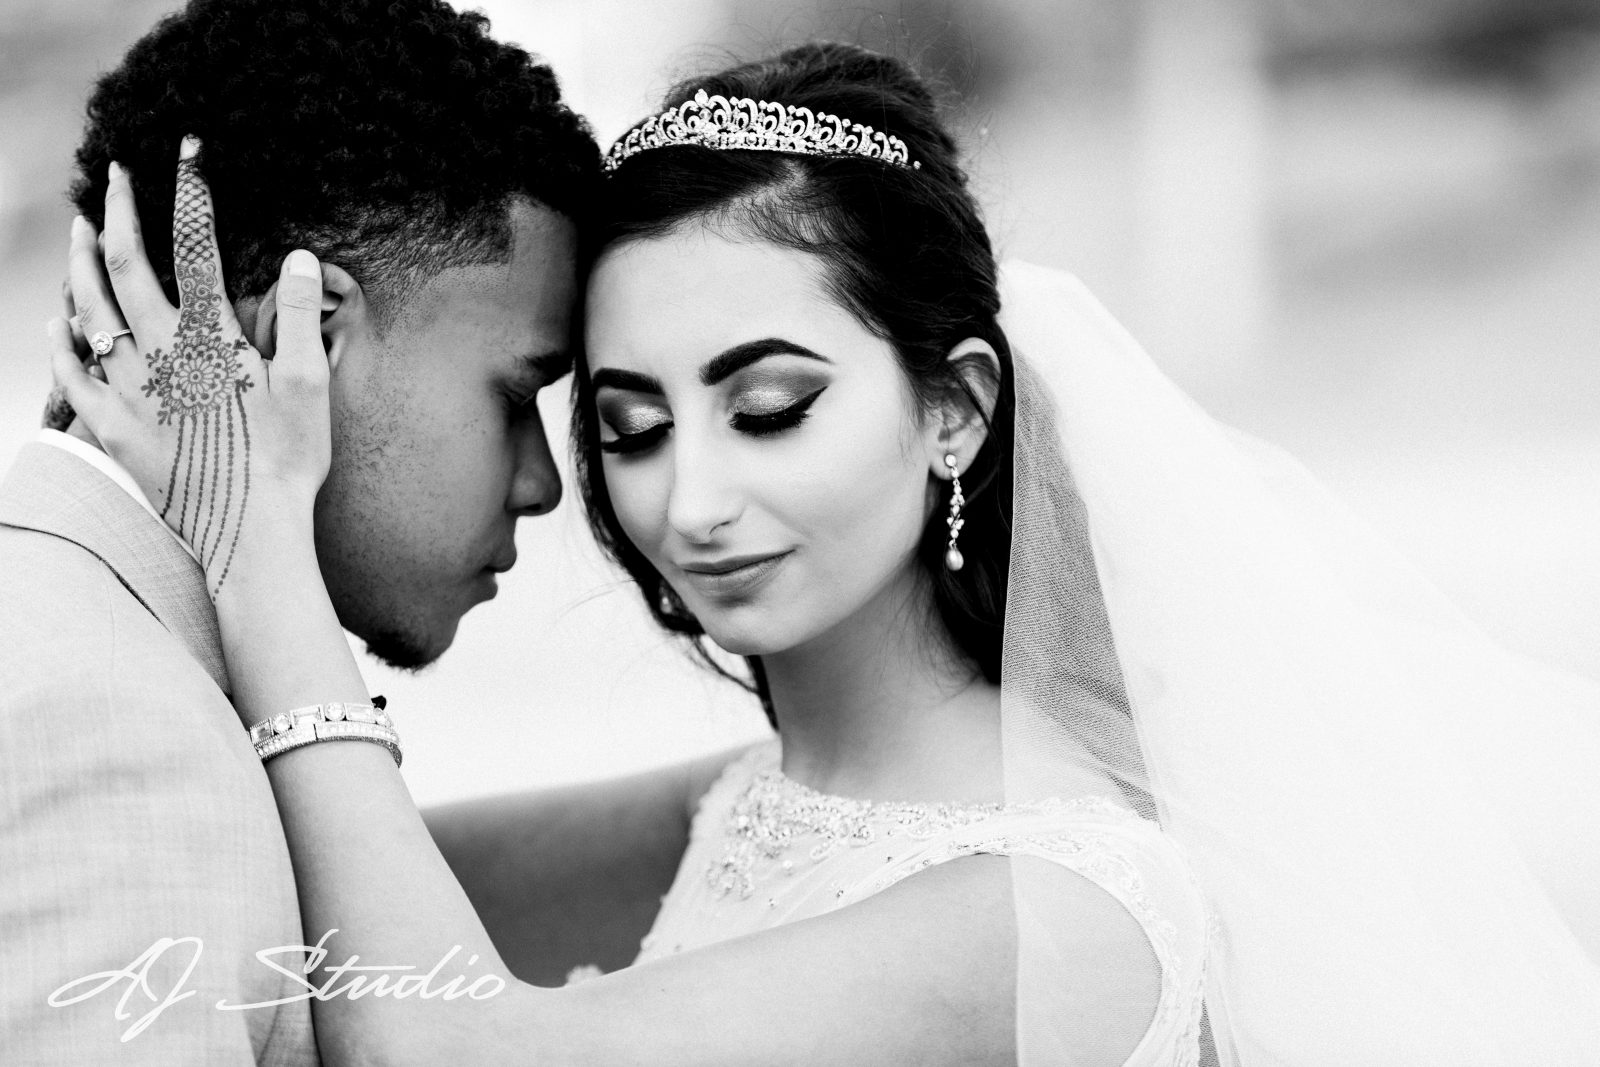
(344, 307)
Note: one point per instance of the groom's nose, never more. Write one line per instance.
(535, 481)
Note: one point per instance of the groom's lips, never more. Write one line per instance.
(499, 565)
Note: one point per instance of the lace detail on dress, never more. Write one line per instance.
(765, 851)
(775, 812)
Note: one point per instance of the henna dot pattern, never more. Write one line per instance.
(200, 381)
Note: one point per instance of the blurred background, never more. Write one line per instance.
(1366, 229)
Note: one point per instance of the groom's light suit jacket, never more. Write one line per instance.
(132, 807)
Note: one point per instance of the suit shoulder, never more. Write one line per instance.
(74, 640)
(42, 574)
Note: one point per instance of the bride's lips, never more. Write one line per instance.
(733, 575)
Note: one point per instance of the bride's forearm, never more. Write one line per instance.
(364, 862)
(280, 635)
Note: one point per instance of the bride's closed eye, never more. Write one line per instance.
(760, 415)
(636, 428)
(756, 413)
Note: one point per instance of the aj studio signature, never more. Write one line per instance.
(394, 980)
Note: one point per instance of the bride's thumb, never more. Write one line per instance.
(300, 357)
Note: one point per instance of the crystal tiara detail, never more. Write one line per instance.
(759, 126)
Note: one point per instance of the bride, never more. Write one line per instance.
(1090, 711)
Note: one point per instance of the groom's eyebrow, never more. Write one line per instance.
(730, 362)
(632, 381)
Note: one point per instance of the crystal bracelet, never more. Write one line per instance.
(338, 721)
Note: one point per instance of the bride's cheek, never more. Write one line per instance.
(639, 501)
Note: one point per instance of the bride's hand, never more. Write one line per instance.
(216, 435)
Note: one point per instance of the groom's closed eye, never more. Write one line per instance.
(533, 373)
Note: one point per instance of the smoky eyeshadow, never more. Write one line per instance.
(631, 418)
(762, 391)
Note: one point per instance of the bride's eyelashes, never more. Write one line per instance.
(636, 426)
(756, 419)
(624, 443)
(761, 421)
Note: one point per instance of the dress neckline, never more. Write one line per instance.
(774, 825)
(767, 765)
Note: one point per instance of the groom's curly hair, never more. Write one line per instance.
(387, 136)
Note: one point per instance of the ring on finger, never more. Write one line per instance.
(100, 343)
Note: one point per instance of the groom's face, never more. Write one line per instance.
(438, 445)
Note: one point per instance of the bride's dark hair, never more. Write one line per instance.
(905, 251)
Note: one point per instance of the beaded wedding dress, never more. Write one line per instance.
(765, 850)
(1391, 822)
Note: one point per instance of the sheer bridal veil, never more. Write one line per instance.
(1394, 823)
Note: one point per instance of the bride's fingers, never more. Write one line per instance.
(132, 279)
(99, 318)
(202, 304)
(88, 397)
(81, 349)
(300, 358)
(80, 344)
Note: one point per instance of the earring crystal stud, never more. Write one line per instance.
(953, 560)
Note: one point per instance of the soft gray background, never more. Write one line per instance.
(1367, 229)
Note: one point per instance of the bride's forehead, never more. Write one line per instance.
(700, 265)
(702, 291)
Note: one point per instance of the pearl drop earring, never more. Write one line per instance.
(953, 560)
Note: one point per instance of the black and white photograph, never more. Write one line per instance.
(861, 532)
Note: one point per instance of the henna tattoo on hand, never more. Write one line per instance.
(201, 382)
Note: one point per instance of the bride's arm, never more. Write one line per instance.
(573, 875)
(922, 972)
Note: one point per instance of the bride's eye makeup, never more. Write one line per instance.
(636, 426)
(768, 410)
(760, 401)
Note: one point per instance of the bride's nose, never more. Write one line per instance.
(703, 496)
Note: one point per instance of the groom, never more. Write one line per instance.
(441, 181)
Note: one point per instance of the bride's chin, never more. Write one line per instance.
(744, 640)
(741, 644)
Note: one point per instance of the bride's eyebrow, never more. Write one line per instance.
(735, 359)
(718, 368)
(632, 381)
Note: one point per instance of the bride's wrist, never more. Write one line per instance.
(275, 550)
(281, 637)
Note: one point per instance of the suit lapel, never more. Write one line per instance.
(56, 493)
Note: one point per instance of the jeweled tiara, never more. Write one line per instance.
(758, 126)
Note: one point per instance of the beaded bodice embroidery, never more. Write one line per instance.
(779, 822)
(765, 850)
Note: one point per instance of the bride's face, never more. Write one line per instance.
(761, 447)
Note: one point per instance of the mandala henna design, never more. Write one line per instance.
(201, 383)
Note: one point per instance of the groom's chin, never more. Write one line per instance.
(406, 651)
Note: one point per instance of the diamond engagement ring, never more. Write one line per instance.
(100, 344)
